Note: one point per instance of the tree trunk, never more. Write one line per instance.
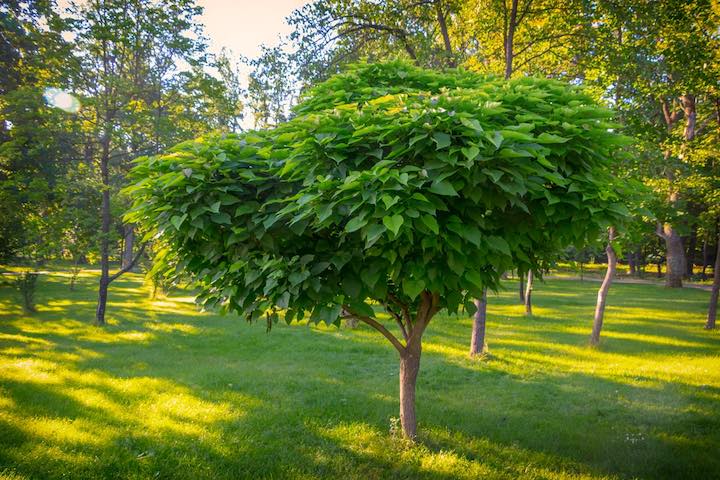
(704, 259)
(673, 243)
(712, 309)
(510, 25)
(444, 31)
(129, 242)
(675, 257)
(477, 340)
(528, 293)
(690, 253)
(105, 234)
(688, 106)
(522, 287)
(409, 368)
(604, 288)
(632, 263)
(409, 353)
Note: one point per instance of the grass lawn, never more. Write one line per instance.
(168, 392)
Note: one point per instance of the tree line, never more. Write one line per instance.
(84, 92)
(655, 63)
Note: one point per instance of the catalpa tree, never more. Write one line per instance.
(393, 193)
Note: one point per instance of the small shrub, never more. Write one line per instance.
(74, 273)
(26, 284)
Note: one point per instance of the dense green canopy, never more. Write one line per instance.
(389, 181)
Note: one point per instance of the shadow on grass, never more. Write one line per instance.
(170, 393)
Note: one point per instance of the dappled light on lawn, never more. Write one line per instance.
(166, 388)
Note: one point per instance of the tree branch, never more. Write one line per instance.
(542, 39)
(444, 31)
(428, 307)
(405, 313)
(523, 13)
(379, 327)
(398, 320)
(129, 266)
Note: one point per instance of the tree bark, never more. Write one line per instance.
(675, 257)
(477, 340)
(688, 106)
(105, 232)
(604, 289)
(528, 293)
(444, 31)
(522, 287)
(712, 308)
(690, 253)
(673, 243)
(409, 368)
(409, 354)
(510, 38)
(129, 245)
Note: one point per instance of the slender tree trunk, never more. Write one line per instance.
(409, 353)
(444, 31)
(105, 233)
(528, 293)
(522, 287)
(704, 258)
(409, 368)
(688, 105)
(632, 267)
(690, 253)
(129, 245)
(511, 23)
(477, 340)
(604, 289)
(712, 309)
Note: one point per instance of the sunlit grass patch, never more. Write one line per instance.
(167, 391)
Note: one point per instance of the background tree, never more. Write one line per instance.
(604, 288)
(138, 102)
(507, 37)
(37, 142)
(656, 58)
(477, 337)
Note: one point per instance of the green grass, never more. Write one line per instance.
(167, 392)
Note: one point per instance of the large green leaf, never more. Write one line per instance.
(442, 140)
(413, 287)
(431, 223)
(443, 187)
(393, 223)
(356, 223)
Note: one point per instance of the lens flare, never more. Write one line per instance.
(63, 100)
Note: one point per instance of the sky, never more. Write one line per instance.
(243, 25)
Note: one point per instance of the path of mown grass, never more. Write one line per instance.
(167, 392)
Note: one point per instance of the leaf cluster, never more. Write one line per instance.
(389, 182)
